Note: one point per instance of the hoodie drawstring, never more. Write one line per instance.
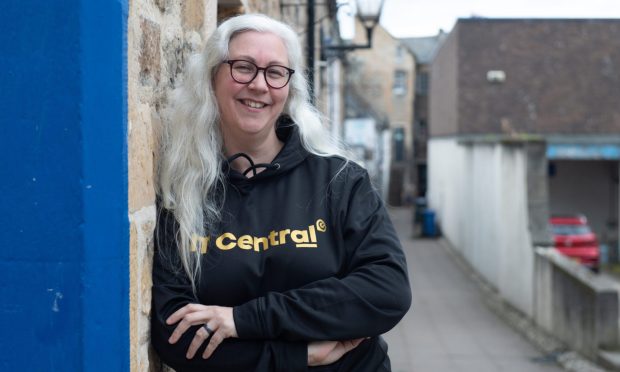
(252, 168)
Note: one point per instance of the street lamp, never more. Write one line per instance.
(368, 12)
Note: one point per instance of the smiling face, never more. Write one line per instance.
(250, 111)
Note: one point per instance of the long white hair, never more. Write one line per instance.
(191, 182)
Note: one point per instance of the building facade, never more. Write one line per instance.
(556, 80)
(380, 85)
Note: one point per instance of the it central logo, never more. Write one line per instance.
(306, 238)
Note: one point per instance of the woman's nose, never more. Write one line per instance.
(259, 82)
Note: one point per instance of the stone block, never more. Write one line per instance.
(210, 22)
(150, 60)
(174, 52)
(141, 157)
(193, 15)
(133, 297)
(141, 261)
(162, 5)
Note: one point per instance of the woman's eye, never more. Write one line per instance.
(244, 67)
(276, 73)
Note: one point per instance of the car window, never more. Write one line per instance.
(570, 229)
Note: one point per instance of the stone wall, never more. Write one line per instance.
(161, 34)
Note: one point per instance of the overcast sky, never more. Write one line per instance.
(412, 18)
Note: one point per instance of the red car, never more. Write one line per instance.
(573, 238)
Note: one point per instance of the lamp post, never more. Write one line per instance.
(368, 12)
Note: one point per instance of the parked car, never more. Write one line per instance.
(574, 238)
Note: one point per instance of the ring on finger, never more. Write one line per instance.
(209, 330)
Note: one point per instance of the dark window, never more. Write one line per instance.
(400, 83)
(399, 144)
(421, 83)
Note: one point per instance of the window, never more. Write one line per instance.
(421, 84)
(400, 83)
(398, 136)
(400, 54)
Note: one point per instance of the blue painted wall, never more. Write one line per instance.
(64, 281)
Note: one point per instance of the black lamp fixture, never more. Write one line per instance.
(368, 12)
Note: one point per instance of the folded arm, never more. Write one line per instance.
(172, 291)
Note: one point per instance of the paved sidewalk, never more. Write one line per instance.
(449, 328)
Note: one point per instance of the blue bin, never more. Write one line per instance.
(428, 223)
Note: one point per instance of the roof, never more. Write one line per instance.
(477, 19)
(424, 48)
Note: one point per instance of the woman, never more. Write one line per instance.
(273, 253)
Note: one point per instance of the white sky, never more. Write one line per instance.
(413, 18)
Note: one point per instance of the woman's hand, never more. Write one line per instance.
(321, 353)
(218, 319)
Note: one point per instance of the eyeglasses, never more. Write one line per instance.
(244, 72)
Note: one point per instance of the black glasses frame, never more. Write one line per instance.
(230, 62)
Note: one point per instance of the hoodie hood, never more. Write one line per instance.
(290, 156)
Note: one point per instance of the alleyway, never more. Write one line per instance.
(449, 328)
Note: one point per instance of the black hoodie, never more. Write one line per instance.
(305, 251)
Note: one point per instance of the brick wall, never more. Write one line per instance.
(443, 89)
(562, 77)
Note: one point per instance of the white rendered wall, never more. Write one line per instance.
(480, 196)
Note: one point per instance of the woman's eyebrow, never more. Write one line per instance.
(252, 59)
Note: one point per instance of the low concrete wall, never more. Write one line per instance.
(575, 305)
